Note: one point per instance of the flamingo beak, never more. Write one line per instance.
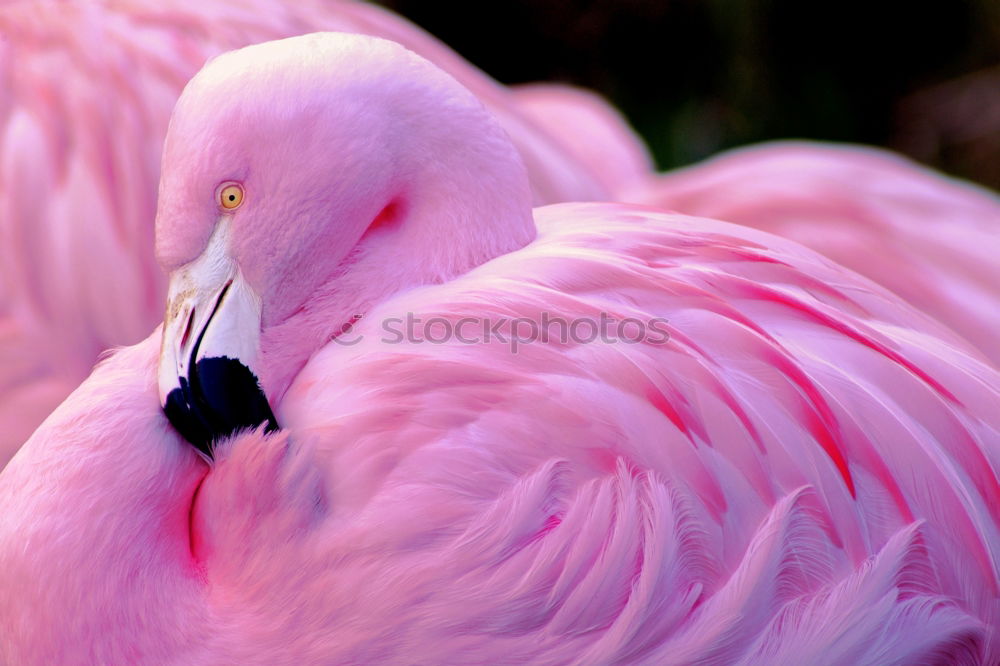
(211, 342)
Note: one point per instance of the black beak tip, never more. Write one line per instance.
(186, 421)
(222, 398)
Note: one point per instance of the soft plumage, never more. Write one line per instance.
(804, 472)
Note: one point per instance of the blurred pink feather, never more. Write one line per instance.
(592, 130)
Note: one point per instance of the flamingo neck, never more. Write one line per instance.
(458, 201)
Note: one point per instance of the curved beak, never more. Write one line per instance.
(211, 342)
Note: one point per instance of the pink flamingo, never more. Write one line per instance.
(803, 472)
(81, 130)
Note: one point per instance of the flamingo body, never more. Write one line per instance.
(803, 470)
(734, 495)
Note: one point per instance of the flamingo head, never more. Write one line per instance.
(302, 181)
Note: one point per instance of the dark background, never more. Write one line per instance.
(698, 76)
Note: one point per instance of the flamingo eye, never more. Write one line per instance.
(231, 196)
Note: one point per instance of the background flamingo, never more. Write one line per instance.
(595, 133)
(805, 472)
(81, 129)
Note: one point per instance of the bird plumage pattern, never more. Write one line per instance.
(802, 471)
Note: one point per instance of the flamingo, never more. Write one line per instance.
(81, 130)
(772, 459)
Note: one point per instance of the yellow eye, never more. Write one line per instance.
(231, 196)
